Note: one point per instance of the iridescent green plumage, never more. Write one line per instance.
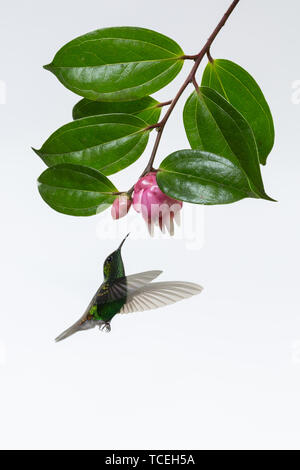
(113, 269)
(123, 294)
(101, 309)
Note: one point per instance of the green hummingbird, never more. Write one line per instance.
(125, 294)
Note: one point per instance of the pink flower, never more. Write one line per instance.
(121, 206)
(154, 205)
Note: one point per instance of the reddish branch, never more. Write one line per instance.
(191, 78)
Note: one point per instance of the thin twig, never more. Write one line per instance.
(191, 78)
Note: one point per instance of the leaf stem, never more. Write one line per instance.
(164, 103)
(191, 78)
(194, 81)
(189, 57)
(209, 56)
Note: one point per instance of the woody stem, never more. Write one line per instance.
(191, 78)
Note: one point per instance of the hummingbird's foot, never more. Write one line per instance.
(105, 327)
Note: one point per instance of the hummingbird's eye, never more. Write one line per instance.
(109, 259)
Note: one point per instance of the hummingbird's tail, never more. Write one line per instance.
(70, 331)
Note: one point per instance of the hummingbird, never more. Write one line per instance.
(125, 294)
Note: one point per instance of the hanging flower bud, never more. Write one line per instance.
(121, 206)
(155, 206)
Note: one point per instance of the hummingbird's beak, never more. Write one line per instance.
(123, 241)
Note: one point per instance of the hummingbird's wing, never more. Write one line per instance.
(124, 286)
(159, 294)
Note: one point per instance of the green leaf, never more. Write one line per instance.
(214, 125)
(76, 190)
(108, 143)
(242, 91)
(117, 64)
(144, 108)
(202, 178)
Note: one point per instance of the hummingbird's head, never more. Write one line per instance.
(113, 267)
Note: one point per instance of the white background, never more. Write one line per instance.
(221, 370)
